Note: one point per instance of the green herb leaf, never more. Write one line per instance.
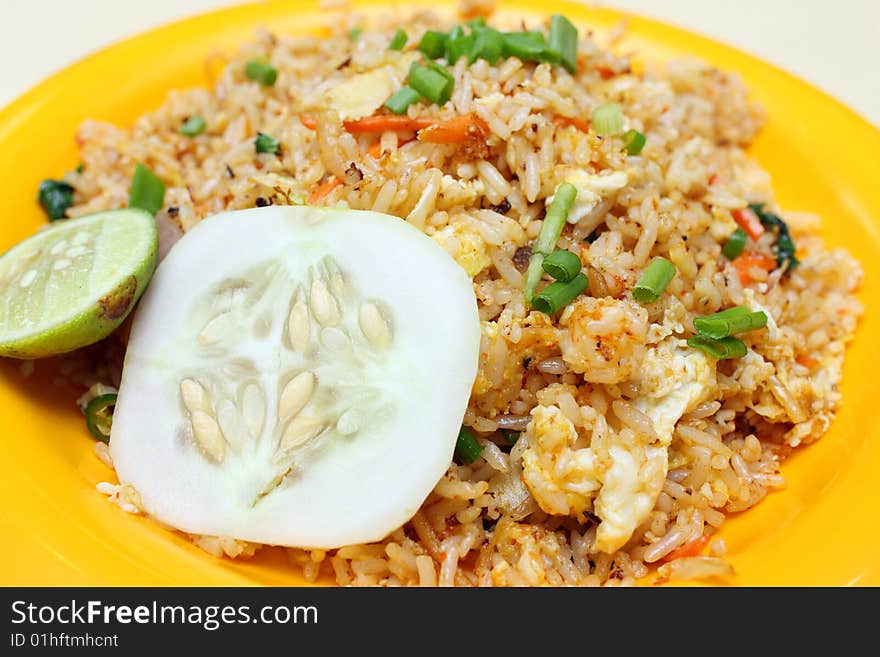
(55, 196)
(147, 190)
(784, 247)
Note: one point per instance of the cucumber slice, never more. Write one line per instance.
(296, 376)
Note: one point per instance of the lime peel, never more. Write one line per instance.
(75, 282)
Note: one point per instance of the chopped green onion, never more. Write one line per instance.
(402, 99)
(354, 33)
(55, 196)
(510, 437)
(147, 190)
(467, 449)
(442, 70)
(654, 280)
(194, 125)
(529, 47)
(608, 119)
(479, 21)
(433, 44)
(99, 416)
(79, 168)
(736, 244)
(264, 73)
(784, 247)
(266, 144)
(558, 295)
(488, 44)
(430, 83)
(562, 265)
(398, 41)
(730, 322)
(458, 45)
(633, 141)
(564, 40)
(549, 234)
(720, 349)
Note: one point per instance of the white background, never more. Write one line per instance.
(833, 44)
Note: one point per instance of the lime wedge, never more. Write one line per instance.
(73, 283)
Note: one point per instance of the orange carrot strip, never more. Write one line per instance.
(375, 150)
(308, 121)
(748, 259)
(605, 73)
(581, 124)
(324, 189)
(746, 219)
(383, 123)
(459, 130)
(807, 361)
(691, 549)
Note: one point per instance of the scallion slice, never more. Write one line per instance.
(564, 40)
(558, 295)
(488, 44)
(266, 144)
(510, 437)
(720, 349)
(654, 280)
(549, 234)
(467, 449)
(147, 190)
(433, 44)
(736, 244)
(55, 196)
(608, 119)
(529, 47)
(458, 46)
(562, 265)
(398, 41)
(431, 83)
(402, 99)
(633, 141)
(193, 126)
(354, 33)
(99, 416)
(730, 322)
(262, 72)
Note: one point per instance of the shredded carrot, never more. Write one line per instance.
(308, 121)
(375, 151)
(749, 222)
(691, 549)
(383, 123)
(713, 179)
(748, 259)
(807, 361)
(461, 129)
(605, 73)
(581, 124)
(324, 189)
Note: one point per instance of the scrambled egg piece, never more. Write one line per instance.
(465, 244)
(621, 473)
(672, 380)
(561, 478)
(591, 190)
(362, 94)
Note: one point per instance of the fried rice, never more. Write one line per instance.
(527, 514)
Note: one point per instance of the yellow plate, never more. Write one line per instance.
(56, 529)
